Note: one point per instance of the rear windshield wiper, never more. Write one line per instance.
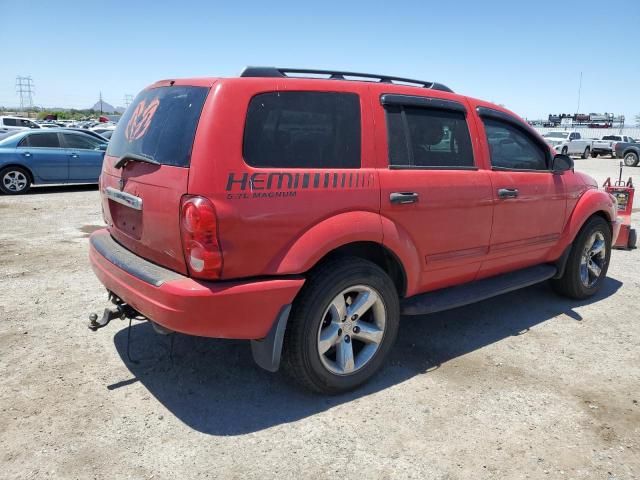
(134, 157)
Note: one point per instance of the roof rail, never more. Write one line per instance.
(338, 75)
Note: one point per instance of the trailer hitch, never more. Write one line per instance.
(120, 310)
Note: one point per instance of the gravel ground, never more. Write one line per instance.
(526, 385)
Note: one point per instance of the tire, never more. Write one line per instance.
(631, 159)
(594, 155)
(573, 283)
(633, 239)
(322, 317)
(14, 180)
(586, 153)
(564, 150)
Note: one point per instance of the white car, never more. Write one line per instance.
(569, 143)
(16, 123)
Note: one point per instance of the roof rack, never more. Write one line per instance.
(338, 75)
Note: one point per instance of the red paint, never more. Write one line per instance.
(458, 231)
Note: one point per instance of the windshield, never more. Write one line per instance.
(555, 135)
(160, 125)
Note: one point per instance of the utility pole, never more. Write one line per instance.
(25, 90)
(579, 92)
(101, 103)
(128, 99)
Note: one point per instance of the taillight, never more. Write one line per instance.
(613, 146)
(199, 227)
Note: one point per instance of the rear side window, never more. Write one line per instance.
(10, 122)
(303, 130)
(426, 137)
(160, 124)
(41, 140)
(512, 149)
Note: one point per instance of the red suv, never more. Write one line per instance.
(307, 214)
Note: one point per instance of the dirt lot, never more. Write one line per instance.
(527, 385)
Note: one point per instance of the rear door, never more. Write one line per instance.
(85, 156)
(432, 186)
(141, 201)
(530, 201)
(48, 159)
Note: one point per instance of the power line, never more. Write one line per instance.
(128, 99)
(25, 90)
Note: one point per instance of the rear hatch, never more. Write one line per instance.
(146, 171)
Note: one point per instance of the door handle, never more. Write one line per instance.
(403, 197)
(26, 154)
(507, 192)
(74, 155)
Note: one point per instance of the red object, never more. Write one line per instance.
(623, 192)
(200, 238)
(103, 119)
(460, 229)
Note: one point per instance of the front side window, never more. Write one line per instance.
(426, 137)
(303, 130)
(80, 141)
(41, 140)
(513, 149)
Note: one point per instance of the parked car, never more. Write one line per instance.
(606, 146)
(629, 152)
(107, 134)
(307, 214)
(16, 123)
(569, 143)
(48, 156)
(95, 135)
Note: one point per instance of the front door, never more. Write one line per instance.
(432, 188)
(530, 201)
(85, 157)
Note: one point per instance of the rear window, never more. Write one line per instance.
(41, 140)
(303, 130)
(160, 124)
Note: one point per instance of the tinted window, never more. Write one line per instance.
(422, 137)
(26, 123)
(303, 130)
(80, 141)
(10, 122)
(41, 140)
(511, 148)
(160, 124)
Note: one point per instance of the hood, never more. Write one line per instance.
(587, 180)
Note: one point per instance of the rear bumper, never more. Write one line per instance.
(224, 309)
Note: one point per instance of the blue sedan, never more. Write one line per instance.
(49, 156)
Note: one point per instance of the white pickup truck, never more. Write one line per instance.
(569, 143)
(606, 146)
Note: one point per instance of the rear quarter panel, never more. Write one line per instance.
(275, 221)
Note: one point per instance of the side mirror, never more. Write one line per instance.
(102, 147)
(561, 163)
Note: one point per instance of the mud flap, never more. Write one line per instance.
(267, 351)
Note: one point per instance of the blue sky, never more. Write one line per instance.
(525, 55)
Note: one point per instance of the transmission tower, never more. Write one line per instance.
(128, 99)
(25, 90)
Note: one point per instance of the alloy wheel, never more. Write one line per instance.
(14, 181)
(351, 330)
(594, 256)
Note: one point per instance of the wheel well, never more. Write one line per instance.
(603, 215)
(29, 172)
(376, 253)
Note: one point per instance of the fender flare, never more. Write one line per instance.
(343, 229)
(593, 201)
